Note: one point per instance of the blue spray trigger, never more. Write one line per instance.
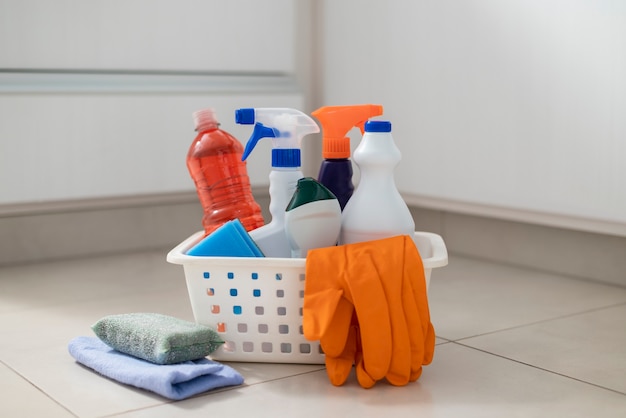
(258, 133)
(244, 116)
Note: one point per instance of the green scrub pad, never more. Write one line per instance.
(157, 338)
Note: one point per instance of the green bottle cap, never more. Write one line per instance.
(309, 190)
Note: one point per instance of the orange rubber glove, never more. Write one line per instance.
(338, 366)
(383, 282)
(328, 307)
(401, 273)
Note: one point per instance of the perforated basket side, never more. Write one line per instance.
(258, 311)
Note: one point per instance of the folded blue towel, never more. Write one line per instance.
(173, 381)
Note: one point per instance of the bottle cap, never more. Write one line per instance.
(204, 118)
(377, 126)
(290, 157)
(309, 190)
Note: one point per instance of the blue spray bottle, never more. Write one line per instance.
(336, 169)
(286, 127)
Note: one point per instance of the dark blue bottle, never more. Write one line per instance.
(336, 175)
(336, 169)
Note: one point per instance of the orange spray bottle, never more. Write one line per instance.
(336, 169)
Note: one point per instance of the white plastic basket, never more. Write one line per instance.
(256, 303)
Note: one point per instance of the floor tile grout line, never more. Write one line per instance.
(539, 368)
(166, 401)
(276, 379)
(571, 315)
(40, 390)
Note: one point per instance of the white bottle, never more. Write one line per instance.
(272, 238)
(376, 210)
(313, 218)
(285, 127)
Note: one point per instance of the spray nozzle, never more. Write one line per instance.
(244, 116)
(285, 126)
(336, 121)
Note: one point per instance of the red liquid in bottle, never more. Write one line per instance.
(221, 178)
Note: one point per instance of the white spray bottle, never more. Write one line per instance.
(376, 210)
(286, 127)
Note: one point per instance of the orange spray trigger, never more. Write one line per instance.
(337, 121)
(361, 126)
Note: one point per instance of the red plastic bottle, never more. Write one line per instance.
(221, 178)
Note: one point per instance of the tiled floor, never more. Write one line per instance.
(512, 343)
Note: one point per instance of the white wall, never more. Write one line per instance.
(96, 97)
(512, 109)
(190, 35)
(68, 146)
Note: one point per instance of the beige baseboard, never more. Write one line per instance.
(60, 230)
(35, 233)
(579, 254)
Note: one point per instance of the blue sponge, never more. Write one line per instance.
(229, 240)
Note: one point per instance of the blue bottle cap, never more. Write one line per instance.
(377, 126)
(289, 157)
